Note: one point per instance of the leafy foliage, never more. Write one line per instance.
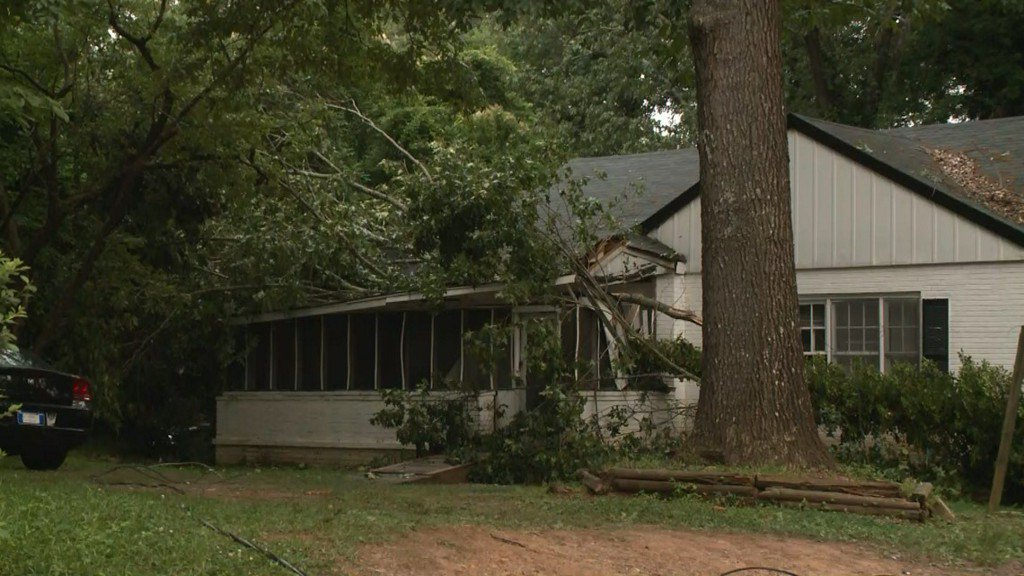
(15, 290)
(920, 421)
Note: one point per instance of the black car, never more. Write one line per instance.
(44, 412)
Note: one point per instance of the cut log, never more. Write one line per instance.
(681, 476)
(788, 495)
(939, 508)
(917, 515)
(922, 492)
(856, 487)
(632, 486)
(594, 484)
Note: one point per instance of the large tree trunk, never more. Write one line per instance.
(754, 407)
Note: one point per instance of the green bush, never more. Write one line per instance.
(919, 421)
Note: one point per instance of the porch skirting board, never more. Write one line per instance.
(341, 457)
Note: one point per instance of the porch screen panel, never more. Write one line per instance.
(589, 351)
(363, 348)
(258, 360)
(236, 369)
(605, 372)
(336, 352)
(389, 350)
(503, 351)
(568, 336)
(447, 348)
(309, 353)
(284, 355)
(416, 349)
(475, 352)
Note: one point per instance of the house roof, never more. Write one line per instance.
(975, 169)
(637, 187)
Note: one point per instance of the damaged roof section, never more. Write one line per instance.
(980, 163)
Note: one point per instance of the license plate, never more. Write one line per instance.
(36, 418)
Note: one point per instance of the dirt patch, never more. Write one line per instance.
(479, 551)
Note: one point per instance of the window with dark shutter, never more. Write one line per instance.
(935, 331)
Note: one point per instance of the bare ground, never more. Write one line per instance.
(479, 551)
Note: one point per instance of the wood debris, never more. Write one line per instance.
(829, 494)
(964, 171)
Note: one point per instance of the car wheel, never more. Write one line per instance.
(43, 458)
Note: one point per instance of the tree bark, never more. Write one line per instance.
(754, 407)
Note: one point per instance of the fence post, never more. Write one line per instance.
(1009, 420)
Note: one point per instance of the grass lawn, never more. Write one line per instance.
(67, 522)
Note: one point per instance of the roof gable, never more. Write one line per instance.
(907, 156)
(647, 189)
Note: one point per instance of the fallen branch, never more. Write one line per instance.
(856, 487)
(680, 476)
(508, 541)
(269, 554)
(631, 486)
(670, 311)
(594, 485)
(787, 495)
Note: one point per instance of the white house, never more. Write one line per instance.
(909, 244)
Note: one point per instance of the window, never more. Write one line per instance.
(855, 335)
(812, 328)
(877, 331)
(903, 332)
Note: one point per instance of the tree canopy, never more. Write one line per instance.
(167, 165)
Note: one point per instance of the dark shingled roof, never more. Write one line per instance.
(994, 147)
(644, 189)
(637, 186)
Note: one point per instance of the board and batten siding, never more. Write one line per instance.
(986, 300)
(846, 215)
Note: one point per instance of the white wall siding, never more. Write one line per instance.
(845, 215)
(341, 420)
(673, 289)
(986, 300)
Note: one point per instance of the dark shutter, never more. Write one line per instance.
(935, 331)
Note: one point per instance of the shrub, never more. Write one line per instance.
(919, 420)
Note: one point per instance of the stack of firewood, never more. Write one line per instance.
(841, 495)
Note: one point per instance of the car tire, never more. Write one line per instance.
(43, 458)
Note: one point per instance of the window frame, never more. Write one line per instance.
(883, 323)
